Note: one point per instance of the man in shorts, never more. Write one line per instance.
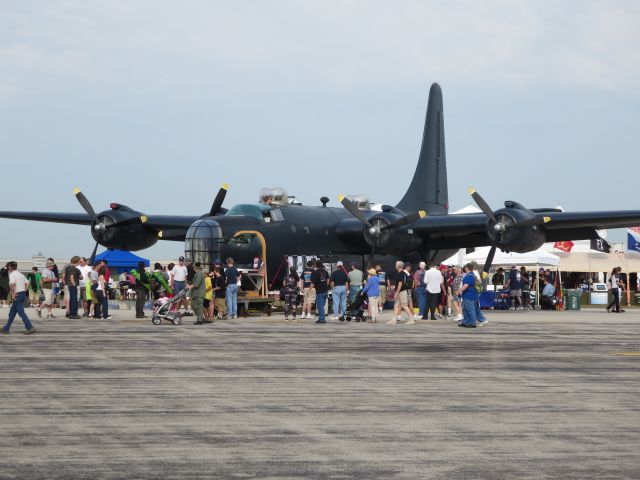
(402, 296)
(34, 278)
(179, 282)
(309, 294)
(515, 287)
(85, 271)
(48, 279)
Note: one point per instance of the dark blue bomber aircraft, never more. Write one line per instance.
(418, 226)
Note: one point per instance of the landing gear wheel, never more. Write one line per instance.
(156, 320)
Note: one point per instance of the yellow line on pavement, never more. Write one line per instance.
(628, 354)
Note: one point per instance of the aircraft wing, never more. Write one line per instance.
(53, 217)
(166, 222)
(469, 230)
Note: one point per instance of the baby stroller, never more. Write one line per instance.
(356, 309)
(164, 311)
(503, 300)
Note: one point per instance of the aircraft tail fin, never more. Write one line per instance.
(428, 188)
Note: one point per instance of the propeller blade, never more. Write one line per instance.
(489, 260)
(86, 205)
(484, 206)
(373, 247)
(353, 210)
(93, 254)
(127, 221)
(530, 222)
(217, 202)
(407, 219)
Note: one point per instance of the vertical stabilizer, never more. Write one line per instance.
(428, 188)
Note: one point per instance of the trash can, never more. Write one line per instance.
(572, 299)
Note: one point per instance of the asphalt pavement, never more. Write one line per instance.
(533, 395)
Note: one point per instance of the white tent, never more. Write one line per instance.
(536, 258)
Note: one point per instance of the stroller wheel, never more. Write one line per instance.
(364, 319)
(348, 318)
(357, 319)
(177, 320)
(156, 320)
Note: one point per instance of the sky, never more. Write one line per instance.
(155, 104)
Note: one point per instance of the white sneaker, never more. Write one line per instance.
(392, 322)
(411, 321)
(417, 317)
(482, 324)
(458, 318)
(334, 318)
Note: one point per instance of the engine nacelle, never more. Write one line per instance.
(509, 237)
(130, 237)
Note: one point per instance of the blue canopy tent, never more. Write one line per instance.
(121, 260)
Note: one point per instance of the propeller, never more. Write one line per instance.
(377, 226)
(502, 222)
(100, 227)
(217, 202)
(501, 225)
(489, 260)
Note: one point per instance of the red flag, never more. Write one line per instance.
(564, 246)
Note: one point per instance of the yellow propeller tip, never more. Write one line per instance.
(471, 190)
(225, 186)
(143, 219)
(547, 219)
(340, 197)
(76, 191)
(422, 213)
(160, 234)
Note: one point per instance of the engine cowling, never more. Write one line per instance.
(512, 230)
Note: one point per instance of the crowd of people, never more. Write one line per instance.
(438, 291)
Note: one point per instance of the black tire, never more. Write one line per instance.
(156, 320)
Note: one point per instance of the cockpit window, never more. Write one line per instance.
(265, 213)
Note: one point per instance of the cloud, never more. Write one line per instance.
(164, 46)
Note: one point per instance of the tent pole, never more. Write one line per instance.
(537, 286)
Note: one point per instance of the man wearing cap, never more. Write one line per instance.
(372, 291)
(232, 275)
(514, 283)
(402, 296)
(18, 287)
(339, 285)
(197, 290)
(179, 282)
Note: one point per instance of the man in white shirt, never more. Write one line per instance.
(18, 286)
(179, 282)
(85, 271)
(434, 281)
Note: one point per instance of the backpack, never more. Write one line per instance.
(408, 281)
(478, 284)
(154, 284)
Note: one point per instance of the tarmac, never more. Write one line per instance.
(532, 395)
